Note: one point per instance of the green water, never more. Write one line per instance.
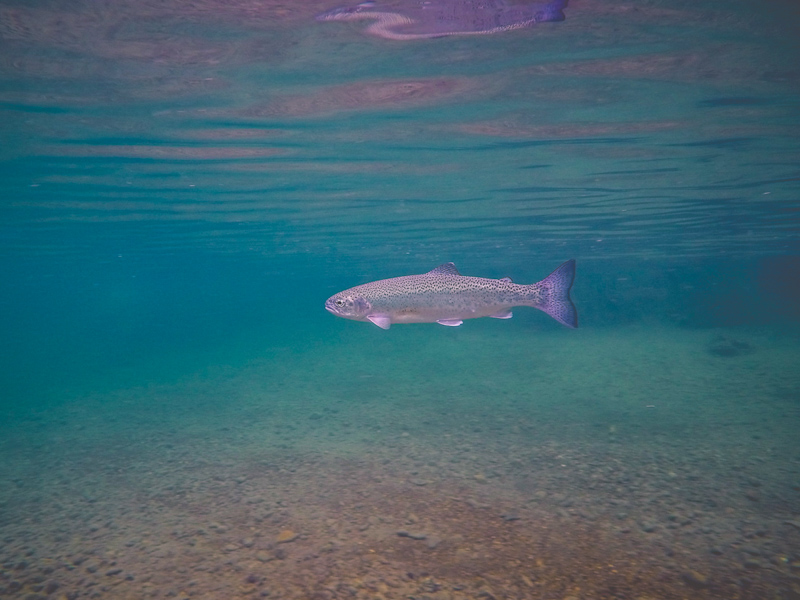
(184, 184)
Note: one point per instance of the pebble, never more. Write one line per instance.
(264, 556)
(510, 517)
(286, 536)
(412, 535)
(218, 528)
(432, 542)
(695, 579)
(752, 563)
(13, 586)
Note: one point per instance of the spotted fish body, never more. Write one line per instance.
(446, 297)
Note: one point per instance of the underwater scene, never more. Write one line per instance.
(400, 300)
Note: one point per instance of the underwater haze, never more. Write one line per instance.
(185, 183)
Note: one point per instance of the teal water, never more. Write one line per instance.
(184, 184)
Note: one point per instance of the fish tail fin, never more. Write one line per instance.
(551, 295)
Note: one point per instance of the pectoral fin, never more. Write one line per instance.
(505, 314)
(382, 321)
(450, 322)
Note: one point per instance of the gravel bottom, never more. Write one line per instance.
(353, 489)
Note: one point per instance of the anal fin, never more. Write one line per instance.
(503, 314)
(450, 322)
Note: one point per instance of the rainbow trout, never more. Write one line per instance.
(446, 297)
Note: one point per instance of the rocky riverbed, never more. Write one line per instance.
(260, 482)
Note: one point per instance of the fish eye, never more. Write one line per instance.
(340, 303)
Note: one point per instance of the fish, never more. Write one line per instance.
(446, 297)
(414, 20)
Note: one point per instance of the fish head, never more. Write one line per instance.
(349, 305)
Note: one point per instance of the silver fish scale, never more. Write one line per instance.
(431, 291)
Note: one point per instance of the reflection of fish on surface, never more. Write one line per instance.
(438, 18)
(446, 297)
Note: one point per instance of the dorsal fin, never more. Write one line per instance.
(445, 269)
(506, 280)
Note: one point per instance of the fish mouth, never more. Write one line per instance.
(329, 307)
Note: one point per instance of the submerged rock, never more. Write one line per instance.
(729, 347)
(287, 535)
(695, 579)
(412, 534)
